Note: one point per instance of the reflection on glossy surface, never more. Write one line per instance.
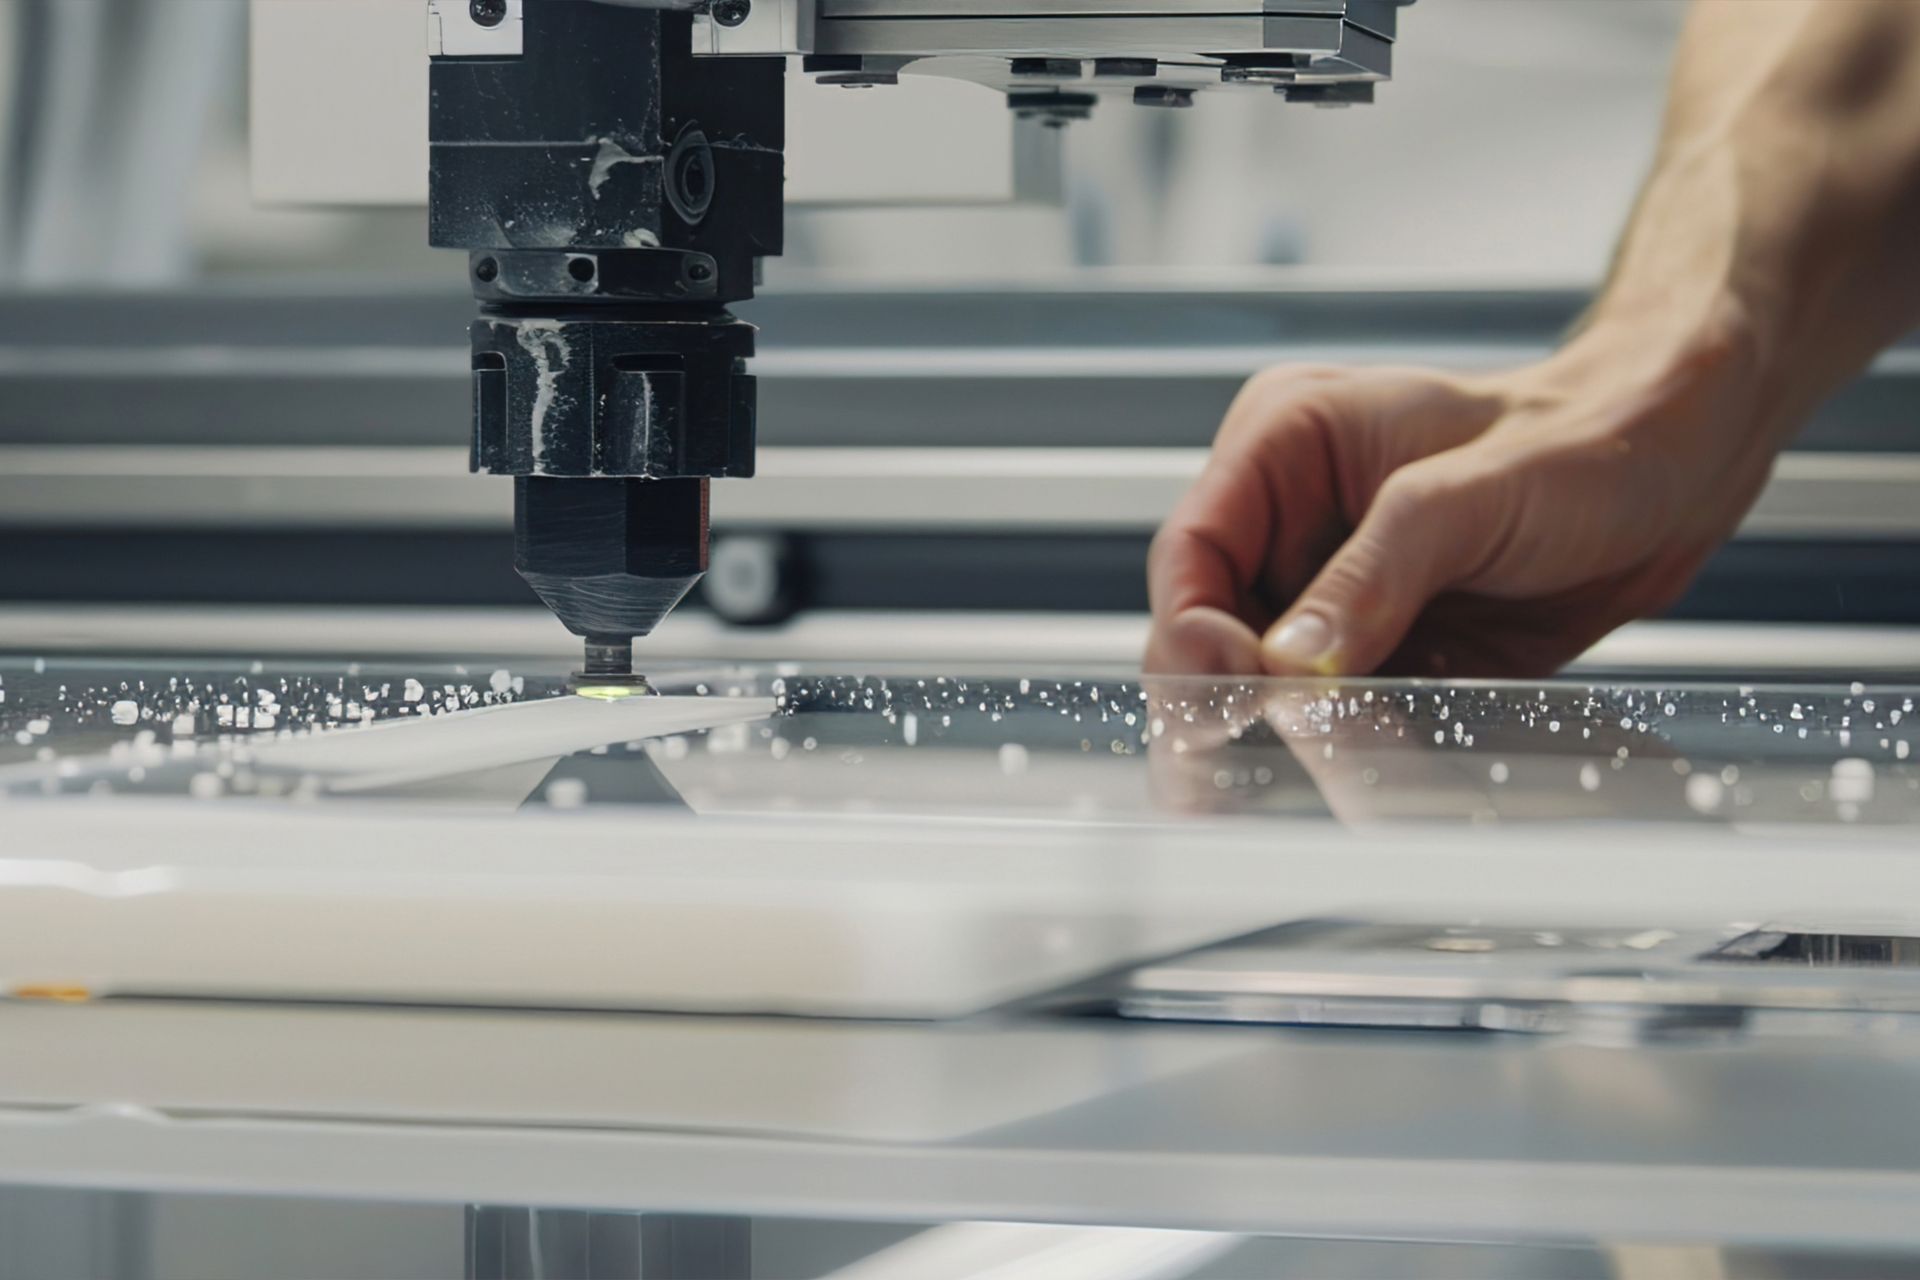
(1008, 746)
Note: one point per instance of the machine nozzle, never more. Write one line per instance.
(608, 673)
(609, 658)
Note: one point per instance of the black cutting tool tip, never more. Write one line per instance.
(608, 671)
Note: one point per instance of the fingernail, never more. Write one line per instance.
(1304, 642)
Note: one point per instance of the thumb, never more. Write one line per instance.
(1422, 534)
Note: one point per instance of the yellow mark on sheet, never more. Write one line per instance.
(613, 692)
(57, 993)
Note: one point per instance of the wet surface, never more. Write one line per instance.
(933, 744)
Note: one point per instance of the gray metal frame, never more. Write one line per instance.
(1078, 366)
(196, 417)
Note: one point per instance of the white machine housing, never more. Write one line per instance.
(945, 140)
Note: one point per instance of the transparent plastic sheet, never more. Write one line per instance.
(761, 740)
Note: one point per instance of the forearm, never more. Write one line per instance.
(1501, 524)
(1782, 219)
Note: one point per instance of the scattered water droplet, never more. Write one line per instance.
(566, 793)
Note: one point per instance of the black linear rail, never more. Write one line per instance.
(1783, 582)
(360, 369)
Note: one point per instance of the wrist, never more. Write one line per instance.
(1705, 367)
(1677, 418)
(1700, 299)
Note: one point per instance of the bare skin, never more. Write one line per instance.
(1353, 521)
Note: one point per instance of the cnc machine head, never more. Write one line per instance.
(613, 169)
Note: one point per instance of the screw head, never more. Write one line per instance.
(859, 79)
(1153, 95)
(691, 176)
(486, 271)
(1258, 75)
(1047, 68)
(731, 13)
(1055, 110)
(487, 13)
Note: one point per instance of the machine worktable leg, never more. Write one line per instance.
(568, 1244)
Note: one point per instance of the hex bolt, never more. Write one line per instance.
(487, 13)
(728, 13)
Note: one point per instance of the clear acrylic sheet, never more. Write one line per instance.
(771, 740)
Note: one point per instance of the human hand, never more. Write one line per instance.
(1353, 521)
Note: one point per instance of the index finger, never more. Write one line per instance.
(1201, 572)
(1211, 549)
(1216, 544)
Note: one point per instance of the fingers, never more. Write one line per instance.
(1429, 528)
(1203, 641)
(1214, 547)
(1211, 548)
(1301, 456)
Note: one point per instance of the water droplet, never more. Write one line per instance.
(1705, 793)
(1852, 782)
(566, 793)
